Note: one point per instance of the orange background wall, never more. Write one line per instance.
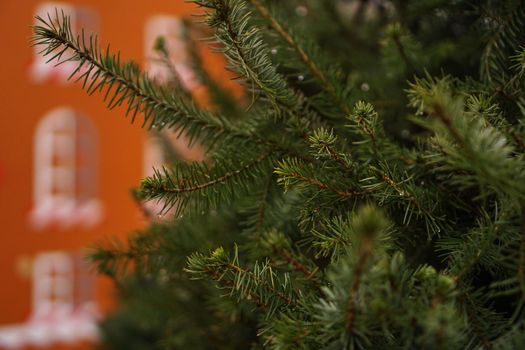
(23, 103)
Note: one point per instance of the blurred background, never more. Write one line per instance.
(67, 167)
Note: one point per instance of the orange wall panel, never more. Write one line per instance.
(120, 146)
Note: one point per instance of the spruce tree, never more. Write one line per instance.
(370, 194)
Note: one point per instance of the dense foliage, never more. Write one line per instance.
(368, 194)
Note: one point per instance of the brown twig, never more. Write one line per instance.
(365, 249)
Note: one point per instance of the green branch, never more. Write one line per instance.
(126, 83)
(261, 281)
(325, 187)
(202, 185)
(186, 185)
(323, 141)
(310, 64)
(364, 251)
(247, 52)
(292, 172)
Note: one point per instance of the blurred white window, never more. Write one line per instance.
(81, 18)
(53, 278)
(64, 310)
(171, 30)
(65, 169)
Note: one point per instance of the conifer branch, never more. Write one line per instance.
(298, 266)
(467, 268)
(244, 273)
(332, 242)
(366, 229)
(474, 320)
(230, 284)
(262, 207)
(325, 187)
(292, 172)
(246, 52)
(275, 244)
(401, 48)
(366, 121)
(468, 144)
(289, 173)
(518, 140)
(185, 185)
(323, 273)
(521, 260)
(220, 97)
(338, 158)
(323, 142)
(504, 31)
(310, 64)
(364, 251)
(406, 195)
(261, 281)
(101, 70)
(202, 186)
(438, 111)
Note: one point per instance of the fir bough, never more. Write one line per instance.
(369, 194)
